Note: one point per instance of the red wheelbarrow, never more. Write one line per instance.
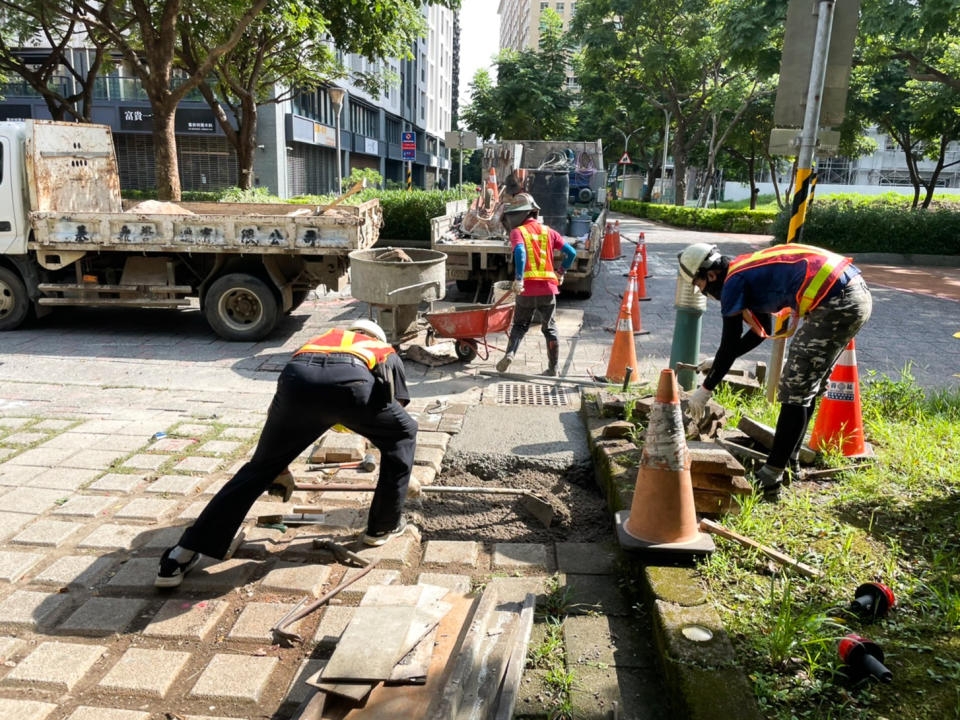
(469, 325)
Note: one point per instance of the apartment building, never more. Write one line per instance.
(296, 138)
(520, 24)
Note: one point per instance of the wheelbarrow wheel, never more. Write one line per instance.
(466, 349)
(431, 338)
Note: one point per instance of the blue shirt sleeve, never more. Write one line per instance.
(519, 261)
(569, 255)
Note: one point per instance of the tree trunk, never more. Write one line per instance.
(651, 179)
(165, 153)
(936, 174)
(247, 142)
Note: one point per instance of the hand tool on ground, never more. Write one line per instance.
(685, 366)
(299, 517)
(367, 464)
(539, 508)
(302, 609)
(783, 559)
(341, 553)
(285, 483)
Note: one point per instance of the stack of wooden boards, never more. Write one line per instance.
(717, 477)
(419, 651)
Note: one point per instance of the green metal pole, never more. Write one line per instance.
(685, 348)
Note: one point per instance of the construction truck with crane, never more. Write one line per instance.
(566, 179)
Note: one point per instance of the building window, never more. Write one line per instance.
(544, 6)
(363, 120)
(560, 8)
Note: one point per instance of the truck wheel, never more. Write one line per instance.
(467, 286)
(241, 307)
(14, 301)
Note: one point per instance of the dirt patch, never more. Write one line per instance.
(581, 514)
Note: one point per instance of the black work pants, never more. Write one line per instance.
(314, 392)
(526, 306)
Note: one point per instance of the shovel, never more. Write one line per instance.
(539, 508)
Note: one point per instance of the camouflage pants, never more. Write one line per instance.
(824, 333)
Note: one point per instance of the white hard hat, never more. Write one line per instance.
(368, 327)
(695, 257)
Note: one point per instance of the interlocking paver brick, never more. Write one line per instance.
(87, 506)
(399, 552)
(32, 501)
(234, 677)
(296, 577)
(125, 443)
(146, 672)
(74, 570)
(220, 575)
(456, 583)
(171, 444)
(117, 482)
(240, 433)
(161, 538)
(25, 709)
(433, 440)
(332, 623)
(112, 537)
(374, 577)
(93, 459)
(9, 646)
(102, 427)
(24, 438)
(451, 423)
(298, 691)
(14, 565)
(73, 441)
(175, 485)
(431, 457)
(423, 475)
(520, 555)
(257, 618)
(47, 533)
(58, 664)
(135, 574)
(143, 461)
(451, 552)
(86, 712)
(52, 424)
(193, 510)
(198, 464)
(186, 619)
(62, 478)
(16, 475)
(152, 509)
(338, 447)
(41, 457)
(12, 423)
(10, 523)
(220, 447)
(192, 430)
(585, 558)
(214, 487)
(102, 615)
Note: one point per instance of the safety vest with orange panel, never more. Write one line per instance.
(539, 253)
(790, 281)
(370, 350)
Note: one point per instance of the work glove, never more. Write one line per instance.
(517, 287)
(705, 367)
(698, 402)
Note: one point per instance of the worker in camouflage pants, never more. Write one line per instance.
(771, 290)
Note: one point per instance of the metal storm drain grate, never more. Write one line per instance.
(514, 393)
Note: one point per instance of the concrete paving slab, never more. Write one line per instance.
(219, 447)
(25, 709)
(423, 475)
(180, 619)
(32, 501)
(59, 665)
(455, 583)
(47, 533)
(256, 619)
(81, 570)
(194, 430)
(516, 556)
(606, 640)
(16, 475)
(149, 509)
(596, 593)
(73, 441)
(451, 552)
(433, 440)
(240, 433)
(175, 485)
(144, 461)
(431, 457)
(171, 445)
(12, 423)
(52, 424)
(234, 677)
(198, 464)
(9, 647)
(86, 712)
(113, 537)
(297, 578)
(398, 553)
(93, 459)
(135, 575)
(41, 457)
(14, 565)
(158, 539)
(585, 558)
(146, 672)
(118, 483)
(634, 690)
(10, 523)
(212, 575)
(87, 506)
(298, 691)
(102, 427)
(123, 443)
(64, 478)
(332, 623)
(24, 438)
(374, 577)
(103, 616)
(30, 609)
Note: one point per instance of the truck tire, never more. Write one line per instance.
(241, 307)
(14, 301)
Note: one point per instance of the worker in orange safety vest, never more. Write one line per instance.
(536, 280)
(349, 377)
(772, 291)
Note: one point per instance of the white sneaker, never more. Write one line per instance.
(504, 363)
(381, 538)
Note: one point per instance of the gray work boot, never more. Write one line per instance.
(768, 481)
(553, 358)
(504, 364)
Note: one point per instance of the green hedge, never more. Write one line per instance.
(854, 225)
(736, 221)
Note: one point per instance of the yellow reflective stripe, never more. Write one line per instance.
(537, 261)
(813, 288)
(770, 252)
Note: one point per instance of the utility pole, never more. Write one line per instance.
(666, 144)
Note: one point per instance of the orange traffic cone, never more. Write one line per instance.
(839, 420)
(616, 237)
(642, 249)
(492, 186)
(623, 354)
(609, 251)
(635, 318)
(662, 516)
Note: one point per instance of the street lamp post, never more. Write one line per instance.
(336, 99)
(663, 165)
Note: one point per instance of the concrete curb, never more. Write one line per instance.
(702, 676)
(911, 259)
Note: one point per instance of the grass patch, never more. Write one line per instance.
(898, 522)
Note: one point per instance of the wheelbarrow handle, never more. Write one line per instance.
(502, 298)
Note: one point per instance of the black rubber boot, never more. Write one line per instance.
(553, 358)
(512, 344)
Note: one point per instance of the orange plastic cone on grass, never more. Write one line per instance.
(662, 515)
(839, 421)
(623, 354)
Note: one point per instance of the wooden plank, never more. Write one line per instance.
(412, 702)
(510, 689)
(736, 484)
(480, 691)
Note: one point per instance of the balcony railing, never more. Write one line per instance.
(21, 88)
(126, 88)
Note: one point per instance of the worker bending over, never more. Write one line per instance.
(350, 377)
(536, 280)
(771, 290)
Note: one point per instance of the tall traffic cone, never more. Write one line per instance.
(623, 354)
(662, 516)
(609, 251)
(839, 420)
(635, 318)
(492, 186)
(642, 249)
(616, 237)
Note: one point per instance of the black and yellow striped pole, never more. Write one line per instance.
(806, 177)
(409, 176)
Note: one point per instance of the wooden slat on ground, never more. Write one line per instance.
(507, 700)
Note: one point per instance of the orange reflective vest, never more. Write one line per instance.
(368, 349)
(539, 254)
(824, 268)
